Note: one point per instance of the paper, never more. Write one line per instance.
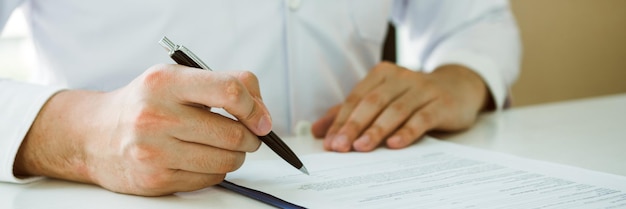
(433, 174)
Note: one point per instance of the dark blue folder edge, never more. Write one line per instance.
(259, 195)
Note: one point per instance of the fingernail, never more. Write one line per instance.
(328, 143)
(265, 124)
(395, 141)
(340, 142)
(363, 141)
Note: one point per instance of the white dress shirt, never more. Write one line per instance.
(307, 54)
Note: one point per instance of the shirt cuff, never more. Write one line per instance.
(20, 106)
(482, 65)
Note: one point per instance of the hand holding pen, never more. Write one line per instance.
(151, 137)
(184, 56)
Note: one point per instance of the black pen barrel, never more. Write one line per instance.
(279, 147)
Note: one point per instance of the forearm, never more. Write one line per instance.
(21, 102)
(54, 146)
(480, 35)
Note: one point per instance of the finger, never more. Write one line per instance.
(396, 113)
(212, 129)
(249, 80)
(348, 106)
(421, 121)
(365, 113)
(320, 127)
(186, 181)
(213, 89)
(366, 85)
(172, 181)
(202, 159)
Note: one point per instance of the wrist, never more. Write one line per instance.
(470, 85)
(54, 145)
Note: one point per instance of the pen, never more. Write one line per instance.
(183, 56)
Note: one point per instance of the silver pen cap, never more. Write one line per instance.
(168, 45)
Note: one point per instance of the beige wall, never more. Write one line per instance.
(572, 49)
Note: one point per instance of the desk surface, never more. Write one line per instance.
(588, 133)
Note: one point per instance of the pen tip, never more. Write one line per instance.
(304, 170)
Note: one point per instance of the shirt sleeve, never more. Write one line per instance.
(481, 35)
(20, 105)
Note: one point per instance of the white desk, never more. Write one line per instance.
(588, 133)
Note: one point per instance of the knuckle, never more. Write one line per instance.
(338, 124)
(149, 120)
(426, 118)
(156, 76)
(408, 132)
(255, 111)
(234, 91)
(248, 77)
(375, 99)
(144, 154)
(400, 108)
(230, 162)
(411, 131)
(334, 128)
(352, 125)
(144, 121)
(376, 132)
(424, 121)
(353, 99)
(334, 109)
(235, 135)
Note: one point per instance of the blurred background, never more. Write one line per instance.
(572, 49)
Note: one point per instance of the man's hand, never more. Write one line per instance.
(397, 106)
(152, 137)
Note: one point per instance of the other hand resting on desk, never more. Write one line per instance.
(396, 106)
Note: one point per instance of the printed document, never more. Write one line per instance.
(432, 174)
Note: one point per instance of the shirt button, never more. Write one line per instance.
(294, 4)
(302, 128)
